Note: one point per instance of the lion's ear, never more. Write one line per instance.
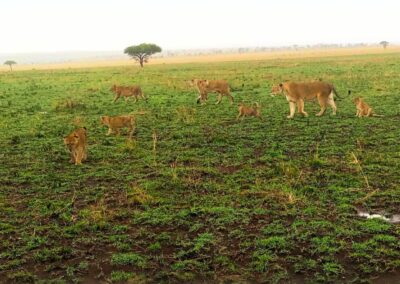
(280, 85)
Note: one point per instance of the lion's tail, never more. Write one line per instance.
(335, 92)
(143, 96)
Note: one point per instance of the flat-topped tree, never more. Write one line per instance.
(10, 63)
(142, 52)
(384, 44)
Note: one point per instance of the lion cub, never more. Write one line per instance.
(221, 87)
(363, 109)
(253, 110)
(77, 143)
(127, 91)
(115, 123)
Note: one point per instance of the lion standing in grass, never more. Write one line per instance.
(127, 91)
(297, 93)
(204, 87)
(76, 143)
(115, 123)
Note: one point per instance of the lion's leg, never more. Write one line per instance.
(331, 102)
(322, 104)
(198, 100)
(230, 97)
(292, 107)
(322, 111)
(357, 112)
(300, 107)
(81, 155)
(131, 130)
(219, 99)
(126, 99)
(238, 116)
(77, 157)
(116, 98)
(130, 133)
(299, 110)
(202, 98)
(109, 131)
(84, 153)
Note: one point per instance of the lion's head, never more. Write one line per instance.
(277, 89)
(104, 120)
(72, 139)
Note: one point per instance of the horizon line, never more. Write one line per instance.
(314, 45)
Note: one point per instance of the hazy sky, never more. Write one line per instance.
(86, 25)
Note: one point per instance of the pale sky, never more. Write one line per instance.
(92, 25)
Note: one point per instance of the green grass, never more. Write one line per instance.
(265, 201)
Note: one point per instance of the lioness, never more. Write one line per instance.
(76, 143)
(115, 123)
(253, 110)
(127, 91)
(363, 109)
(297, 93)
(211, 86)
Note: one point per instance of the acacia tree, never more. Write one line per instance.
(10, 63)
(384, 44)
(142, 52)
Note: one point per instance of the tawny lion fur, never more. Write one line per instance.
(363, 109)
(76, 143)
(297, 93)
(115, 123)
(253, 110)
(204, 87)
(127, 91)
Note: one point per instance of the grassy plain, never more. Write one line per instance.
(217, 200)
(207, 58)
